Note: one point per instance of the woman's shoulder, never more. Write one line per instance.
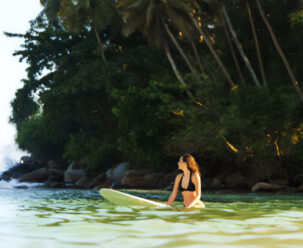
(196, 175)
(179, 175)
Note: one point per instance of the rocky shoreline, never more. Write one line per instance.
(55, 175)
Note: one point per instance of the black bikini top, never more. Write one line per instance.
(190, 187)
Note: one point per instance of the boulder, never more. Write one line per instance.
(138, 172)
(281, 181)
(72, 175)
(39, 175)
(26, 159)
(236, 181)
(109, 174)
(138, 180)
(19, 170)
(297, 180)
(154, 179)
(134, 181)
(300, 189)
(168, 179)
(53, 165)
(52, 184)
(224, 175)
(83, 181)
(98, 180)
(215, 184)
(56, 175)
(20, 187)
(267, 187)
(169, 187)
(118, 173)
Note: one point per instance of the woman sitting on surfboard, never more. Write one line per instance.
(188, 182)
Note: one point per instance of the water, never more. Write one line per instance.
(80, 218)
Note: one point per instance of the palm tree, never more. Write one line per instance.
(180, 50)
(78, 15)
(152, 18)
(176, 71)
(281, 53)
(212, 50)
(240, 47)
(256, 42)
(231, 48)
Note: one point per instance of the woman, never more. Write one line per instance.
(188, 182)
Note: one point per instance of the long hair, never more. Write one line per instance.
(191, 162)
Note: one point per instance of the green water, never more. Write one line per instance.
(80, 218)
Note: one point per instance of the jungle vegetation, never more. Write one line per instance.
(145, 81)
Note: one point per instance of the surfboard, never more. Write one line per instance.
(125, 199)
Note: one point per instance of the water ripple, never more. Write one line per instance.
(81, 218)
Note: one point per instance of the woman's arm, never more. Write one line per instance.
(197, 183)
(174, 193)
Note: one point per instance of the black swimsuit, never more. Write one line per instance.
(190, 187)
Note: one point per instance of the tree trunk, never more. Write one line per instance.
(202, 70)
(182, 53)
(256, 43)
(100, 44)
(212, 50)
(176, 71)
(281, 53)
(232, 50)
(240, 48)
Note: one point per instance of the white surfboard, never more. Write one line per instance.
(124, 199)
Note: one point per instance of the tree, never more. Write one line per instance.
(151, 18)
(256, 42)
(82, 14)
(231, 48)
(212, 50)
(240, 48)
(281, 53)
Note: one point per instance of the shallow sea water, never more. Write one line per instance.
(37, 217)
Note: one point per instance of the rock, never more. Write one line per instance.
(236, 181)
(138, 172)
(223, 175)
(98, 180)
(119, 173)
(136, 180)
(154, 179)
(56, 175)
(215, 184)
(72, 175)
(169, 187)
(267, 187)
(20, 187)
(298, 180)
(281, 181)
(52, 184)
(26, 160)
(53, 165)
(19, 170)
(168, 179)
(82, 181)
(109, 174)
(39, 175)
(300, 189)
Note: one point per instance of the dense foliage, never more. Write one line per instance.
(145, 81)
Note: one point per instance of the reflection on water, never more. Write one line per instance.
(81, 218)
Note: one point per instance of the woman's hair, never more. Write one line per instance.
(191, 162)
